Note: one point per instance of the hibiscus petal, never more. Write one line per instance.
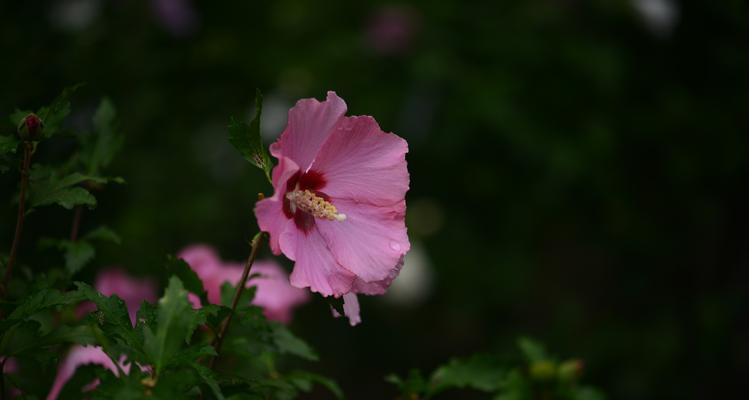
(315, 266)
(269, 211)
(201, 258)
(351, 308)
(361, 162)
(370, 242)
(79, 356)
(377, 287)
(310, 124)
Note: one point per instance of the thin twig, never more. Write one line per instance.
(254, 246)
(76, 223)
(28, 149)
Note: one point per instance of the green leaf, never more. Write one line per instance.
(412, 387)
(208, 377)
(287, 343)
(49, 188)
(77, 255)
(532, 350)
(55, 113)
(304, 380)
(8, 144)
(193, 283)
(175, 317)
(80, 252)
(587, 393)
(478, 372)
(20, 338)
(228, 290)
(99, 148)
(113, 319)
(41, 300)
(81, 334)
(17, 116)
(8, 147)
(191, 357)
(247, 140)
(104, 234)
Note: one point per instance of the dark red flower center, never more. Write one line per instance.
(306, 187)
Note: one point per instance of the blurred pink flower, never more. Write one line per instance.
(178, 17)
(133, 291)
(110, 281)
(338, 207)
(79, 356)
(391, 29)
(274, 293)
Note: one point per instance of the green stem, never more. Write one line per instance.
(218, 342)
(28, 149)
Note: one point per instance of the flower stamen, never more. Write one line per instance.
(315, 205)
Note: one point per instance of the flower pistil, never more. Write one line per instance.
(310, 203)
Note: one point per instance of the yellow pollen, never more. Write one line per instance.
(314, 205)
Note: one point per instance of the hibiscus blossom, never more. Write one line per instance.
(133, 292)
(338, 208)
(274, 294)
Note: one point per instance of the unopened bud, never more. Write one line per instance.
(570, 370)
(31, 127)
(542, 370)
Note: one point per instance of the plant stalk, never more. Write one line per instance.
(28, 149)
(76, 223)
(218, 342)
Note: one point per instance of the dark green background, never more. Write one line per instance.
(589, 173)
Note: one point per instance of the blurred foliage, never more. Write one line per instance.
(575, 175)
(538, 377)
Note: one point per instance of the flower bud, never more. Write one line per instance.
(31, 127)
(570, 370)
(543, 370)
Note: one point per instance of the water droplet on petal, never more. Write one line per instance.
(395, 246)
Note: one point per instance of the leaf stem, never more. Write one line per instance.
(254, 246)
(76, 223)
(28, 150)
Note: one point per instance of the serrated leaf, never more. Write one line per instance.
(228, 290)
(208, 377)
(55, 113)
(190, 357)
(175, 317)
(247, 140)
(48, 188)
(81, 334)
(40, 301)
(288, 343)
(193, 283)
(113, 319)
(99, 148)
(478, 372)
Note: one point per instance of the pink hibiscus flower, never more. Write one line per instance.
(274, 294)
(338, 208)
(111, 281)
